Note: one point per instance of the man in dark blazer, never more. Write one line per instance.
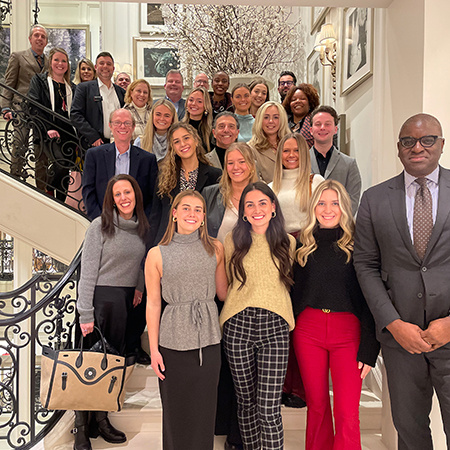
(327, 160)
(406, 280)
(22, 66)
(101, 164)
(94, 101)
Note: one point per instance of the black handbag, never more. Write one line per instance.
(84, 380)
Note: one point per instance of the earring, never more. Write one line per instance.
(244, 218)
(174, 218)
(274, 214)
(203, 223)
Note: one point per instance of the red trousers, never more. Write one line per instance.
(325, 342)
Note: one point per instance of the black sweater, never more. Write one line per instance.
(328, 282)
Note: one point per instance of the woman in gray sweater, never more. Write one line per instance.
(111, 282)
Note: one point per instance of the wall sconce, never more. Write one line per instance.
(326, 45)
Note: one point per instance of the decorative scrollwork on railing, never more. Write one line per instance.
(52, 165)
(42, 312)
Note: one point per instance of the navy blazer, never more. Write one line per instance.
(86, 112)
(159, 219)
(100, 166)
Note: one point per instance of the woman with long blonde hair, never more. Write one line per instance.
(199, 115)
(184, 167)
(154, 139)
(334, 331)
(270, 126)
(185, 340)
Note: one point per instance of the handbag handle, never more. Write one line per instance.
(104, 363)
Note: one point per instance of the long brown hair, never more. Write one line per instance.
(276, 236)
(347, 223)
(109, 211)
(207, 240)
(171, 164)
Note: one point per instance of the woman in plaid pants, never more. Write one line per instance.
(257, 315)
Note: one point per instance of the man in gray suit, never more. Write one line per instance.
(22, 66)
(402, 259)
(327, 160)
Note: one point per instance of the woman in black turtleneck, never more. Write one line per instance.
(334, 330)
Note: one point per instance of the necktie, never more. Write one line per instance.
(422, 218)
(39, 59)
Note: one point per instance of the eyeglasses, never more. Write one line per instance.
(425, 141)
(126, 124)
(285, 83)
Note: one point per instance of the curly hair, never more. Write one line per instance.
(309, 90)
(171, 164)
(347, 223)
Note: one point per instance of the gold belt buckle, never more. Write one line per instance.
(326, 311)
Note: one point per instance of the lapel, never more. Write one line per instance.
(314, 165)
(443, 209)
(134, 161)
(335, 156)
(31, 60)
(95, 92)
(202, 176)
(396, 194)
(110, 160)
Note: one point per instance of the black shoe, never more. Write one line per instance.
(142, 357)
(292, 401)
(107, 431)
(230, 446)
(81, 431)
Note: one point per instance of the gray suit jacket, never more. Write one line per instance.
(395, 283)
(22, 66)
(344, 169)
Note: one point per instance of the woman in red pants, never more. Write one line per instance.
(334, 330)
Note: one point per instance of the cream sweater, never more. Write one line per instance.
(263, 288)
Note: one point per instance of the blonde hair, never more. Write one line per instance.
(345, 243)
(171, 164)
(208, 241)
(205, 127)
(225, 183)
(77, 76)
(259, 140)
(150, 129)
(52, 53)
(302, 184)
(131, 87)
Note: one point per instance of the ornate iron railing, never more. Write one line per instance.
(54, 166)
(42, 312)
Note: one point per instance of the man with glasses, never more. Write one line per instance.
(285, 81)
(402, 258)
(107, 160)
(94, 101)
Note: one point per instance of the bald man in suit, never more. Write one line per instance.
(22, 66)
(402, 259)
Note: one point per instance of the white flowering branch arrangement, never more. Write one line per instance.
(234, 39)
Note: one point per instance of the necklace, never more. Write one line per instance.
(63, 97)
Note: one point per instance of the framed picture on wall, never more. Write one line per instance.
(357, 41)
(315, 73)
(5, 49)
(318, 14)
(151, 18)
(153, 58)
(74, 39)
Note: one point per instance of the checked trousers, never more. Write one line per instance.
(256, 343)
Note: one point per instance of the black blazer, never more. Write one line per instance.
(159, 218)
(87, 111)
(100, 166)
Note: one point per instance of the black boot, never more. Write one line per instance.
(81, 432)
(107, 431)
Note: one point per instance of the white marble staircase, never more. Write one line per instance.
(141, 420)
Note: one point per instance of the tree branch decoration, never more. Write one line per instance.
(234, 39)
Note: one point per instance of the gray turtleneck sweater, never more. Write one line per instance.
(109, 261)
